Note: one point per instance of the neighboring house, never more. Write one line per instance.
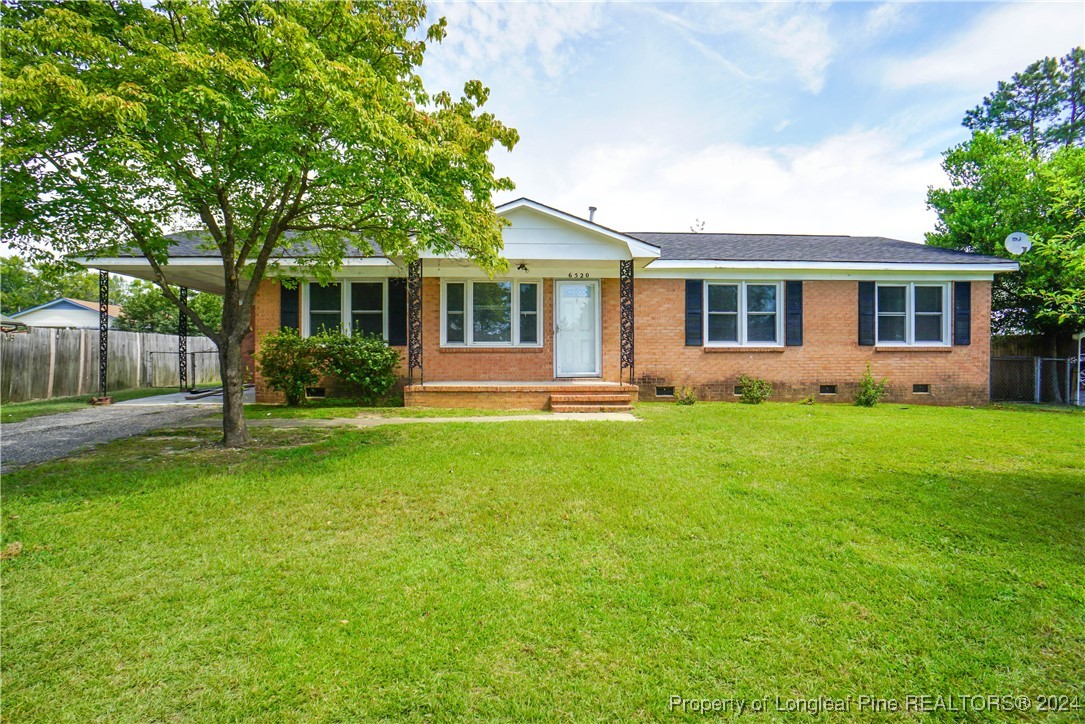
(10, 326)
(65, 312)
(588, 317)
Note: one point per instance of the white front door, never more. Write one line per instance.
(577, 329)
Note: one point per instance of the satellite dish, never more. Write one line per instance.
(1018, 243)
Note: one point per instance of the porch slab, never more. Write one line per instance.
(506, 395)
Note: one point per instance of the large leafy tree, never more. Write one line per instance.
(1043, 105)
(997, 187)
(146, 309)
(1024, 170)
(27, 284)
(265, 124)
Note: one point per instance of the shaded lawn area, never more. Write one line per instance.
(345, 407)
(19, 411)
(556, 570)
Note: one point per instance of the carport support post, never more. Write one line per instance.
(182, 341)
(414, 321)
(626, 328)
(103, 337)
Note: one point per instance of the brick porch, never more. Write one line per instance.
(559, 395)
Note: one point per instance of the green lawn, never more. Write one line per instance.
(19, 411)
(343, 407)
(556, 570)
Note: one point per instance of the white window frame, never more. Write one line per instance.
(469, 314)
(346, 321)
(743, 313)
(909, 315)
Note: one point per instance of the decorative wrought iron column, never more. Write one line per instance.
(103, 332)
(626, 319)
(414, 321)
(182, 341)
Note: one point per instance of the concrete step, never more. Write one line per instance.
(590, 408)
(591, 397)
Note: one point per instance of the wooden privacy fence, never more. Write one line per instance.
(43, 363)
(203, 369)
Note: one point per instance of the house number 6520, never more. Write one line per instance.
(578, 275)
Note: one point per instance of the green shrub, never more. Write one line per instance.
(290, 363)
(685, 396)
(870, 391)
(365, 362)
(754, 390)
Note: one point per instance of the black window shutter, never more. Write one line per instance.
(694, 312)
(866, 313)
(793, 318)
(962, 313)
(397, 311)
(288, 306)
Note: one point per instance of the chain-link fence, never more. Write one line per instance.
(164, 369)
(1048, 380)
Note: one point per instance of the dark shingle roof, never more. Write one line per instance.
(801, 248)
(196, 244)
(721, 247)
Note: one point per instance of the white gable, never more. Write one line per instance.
(537, 232)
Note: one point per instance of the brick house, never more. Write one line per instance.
(588, 317)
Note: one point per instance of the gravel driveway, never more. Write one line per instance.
(55, 436)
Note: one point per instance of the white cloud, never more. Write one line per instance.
(883, 18)
(795, 35)
(526, 36)
(1003, 41)
(861, 182)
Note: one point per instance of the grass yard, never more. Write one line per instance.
(345, 407)
(548, 569)
(19, 411)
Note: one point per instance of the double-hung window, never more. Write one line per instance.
(352, 307)
(528, 298)
(743, 314)
(325, 307)
(499, 313)
(491, 312)
(367, 308)
(912, 314)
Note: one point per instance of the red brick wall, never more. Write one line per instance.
(248, 347)
(265, 321)
(475, 364)
(830, 353)
(528, 364)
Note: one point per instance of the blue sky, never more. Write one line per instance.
(770, 117)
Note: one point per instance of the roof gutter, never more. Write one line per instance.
(987, 268)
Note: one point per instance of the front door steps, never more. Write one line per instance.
(591, 402)
(557, 395)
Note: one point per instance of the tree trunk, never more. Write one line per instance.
(235, 433)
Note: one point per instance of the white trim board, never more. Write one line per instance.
(813, 275)
(676, 264)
